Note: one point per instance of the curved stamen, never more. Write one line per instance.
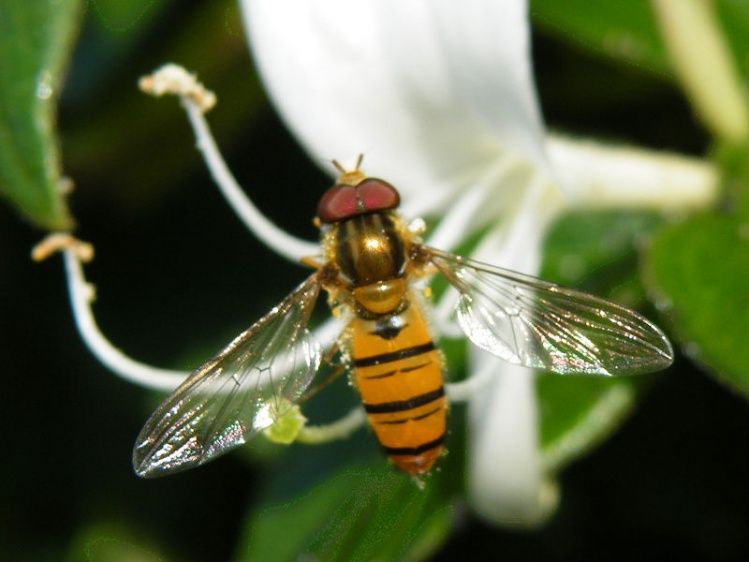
(81, 296)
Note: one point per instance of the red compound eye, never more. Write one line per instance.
(338, 203)
(344, 201)
(377, 195)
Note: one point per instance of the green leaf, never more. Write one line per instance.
(577, 413)
(699, 267)
(36, 39)
(734, 19)
(361, 514)
(623, 31)
(627, 32)
(592, 252)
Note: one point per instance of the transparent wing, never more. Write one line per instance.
(235, 394)
(530, 322)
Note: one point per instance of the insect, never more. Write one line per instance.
(370, 263)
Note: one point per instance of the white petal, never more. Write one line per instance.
(430, 90)
(505, 482)
(532, 203)
(597, 176)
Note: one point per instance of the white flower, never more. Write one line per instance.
(439, 96)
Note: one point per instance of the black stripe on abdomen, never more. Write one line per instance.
(381, 375)
(405, 370)
(413, 451)
(394, 355)
(408, 418)
(403, 405)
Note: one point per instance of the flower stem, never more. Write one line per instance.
(703, 62)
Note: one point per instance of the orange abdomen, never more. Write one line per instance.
(399, 376)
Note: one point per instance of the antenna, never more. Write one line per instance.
(355, 169)
(350, 177)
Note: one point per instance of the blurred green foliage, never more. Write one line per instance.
(357, 515)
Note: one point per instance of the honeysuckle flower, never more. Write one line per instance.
(439, 95)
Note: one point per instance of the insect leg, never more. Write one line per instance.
(338, 370)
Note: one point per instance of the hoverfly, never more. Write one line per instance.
(369, 266)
